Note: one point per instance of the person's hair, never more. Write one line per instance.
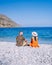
(31, 40)
(35, 38)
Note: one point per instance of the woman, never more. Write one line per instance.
(34, 40)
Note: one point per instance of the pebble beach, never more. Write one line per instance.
(10, 54)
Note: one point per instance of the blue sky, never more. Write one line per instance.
(37, 13)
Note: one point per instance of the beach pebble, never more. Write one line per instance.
(13, 55)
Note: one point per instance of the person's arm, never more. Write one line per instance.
(23, 38)
(16, 41)
(16, 38)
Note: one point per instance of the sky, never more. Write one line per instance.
(28, 13)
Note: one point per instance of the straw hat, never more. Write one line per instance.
(34, 34)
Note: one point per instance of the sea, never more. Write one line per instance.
(10, 34)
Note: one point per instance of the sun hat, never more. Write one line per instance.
(34, 34)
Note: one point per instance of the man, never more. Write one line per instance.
(20, 40)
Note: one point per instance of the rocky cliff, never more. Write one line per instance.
(7, 22)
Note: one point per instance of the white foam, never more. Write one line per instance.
(13, 55)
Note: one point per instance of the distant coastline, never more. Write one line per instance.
(6, 22)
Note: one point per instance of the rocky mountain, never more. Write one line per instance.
(7, 22)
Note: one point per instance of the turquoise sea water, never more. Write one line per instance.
(44, 34)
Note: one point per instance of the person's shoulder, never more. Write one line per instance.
(17, 37)
(23, 37)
